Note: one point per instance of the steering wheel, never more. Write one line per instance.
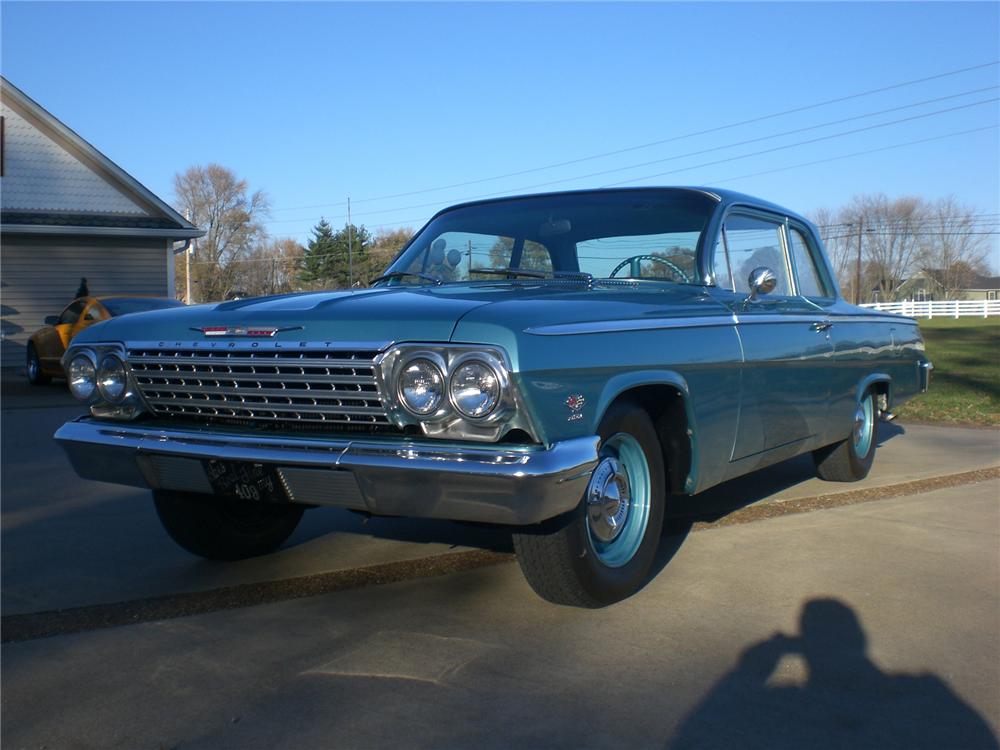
(638, 258)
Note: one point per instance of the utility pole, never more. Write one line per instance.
(469, 255)
(350, 247)
(857, 270)
(187, 265)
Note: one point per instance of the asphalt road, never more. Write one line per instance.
(887, 614)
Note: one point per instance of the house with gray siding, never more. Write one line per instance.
(68, 212)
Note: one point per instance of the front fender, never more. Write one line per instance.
(619, 385)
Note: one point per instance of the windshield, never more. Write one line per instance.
(124, 305)
(643, 234)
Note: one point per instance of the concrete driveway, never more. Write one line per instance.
(869, 625)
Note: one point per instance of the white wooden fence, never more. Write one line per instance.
(964, 308)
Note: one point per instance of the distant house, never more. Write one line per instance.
(932, 284)
(68, 212)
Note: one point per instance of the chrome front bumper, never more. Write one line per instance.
(499, 484)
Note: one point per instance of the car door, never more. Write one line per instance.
(52, 345)
(787, 350)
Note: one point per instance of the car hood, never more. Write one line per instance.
(482, 313)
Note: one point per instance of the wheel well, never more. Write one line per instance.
(883, 395)
(665, 406)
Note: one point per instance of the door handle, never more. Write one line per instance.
(820, 326)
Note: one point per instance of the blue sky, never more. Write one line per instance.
(313, 102)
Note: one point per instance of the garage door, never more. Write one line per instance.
(40, 275)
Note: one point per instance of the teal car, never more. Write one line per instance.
(560, 364)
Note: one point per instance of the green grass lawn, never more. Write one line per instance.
(965, 384)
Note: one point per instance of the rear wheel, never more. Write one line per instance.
(224, 529)
(33, 368)
(850, 460)
(602, 551)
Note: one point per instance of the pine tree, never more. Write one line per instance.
(319, 259)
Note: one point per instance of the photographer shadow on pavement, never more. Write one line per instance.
(844, 701)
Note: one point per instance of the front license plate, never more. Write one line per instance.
(246, 481)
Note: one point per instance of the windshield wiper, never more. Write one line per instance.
(402, 274)
(511, 272)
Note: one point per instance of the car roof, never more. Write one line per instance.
(722, 196)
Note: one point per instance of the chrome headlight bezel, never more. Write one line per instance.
(129, 404)
(448, 421)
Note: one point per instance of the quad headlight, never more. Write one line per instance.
(112, 380)
(421, 386)
(452, 391)
(97, 375)
(474, 388)
(82, 376)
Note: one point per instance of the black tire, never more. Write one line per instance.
(224, 529)
(841, 461)
(33, 368)
(558, 557)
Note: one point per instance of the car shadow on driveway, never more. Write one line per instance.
(841, 699)
(738, 493)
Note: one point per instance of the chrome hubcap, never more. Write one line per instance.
(32, 367)
(859, 425)
(618, 501)
(864, 426)
(608, 500)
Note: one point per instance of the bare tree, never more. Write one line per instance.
(891, 240)
(270, 268)
(219, 202)
(951, 251)
(836, 241)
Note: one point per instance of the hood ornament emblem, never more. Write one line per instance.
(243, 331)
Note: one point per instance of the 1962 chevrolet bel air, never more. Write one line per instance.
(562, 364)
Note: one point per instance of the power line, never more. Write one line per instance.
(715, 148)
(421, 220)
(831, 136)
(760, 118)
(857, 153)
(812, 140)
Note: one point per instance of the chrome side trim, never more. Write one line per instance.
(634, 324)
(496, 484)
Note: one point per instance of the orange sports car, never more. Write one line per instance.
(47, 345)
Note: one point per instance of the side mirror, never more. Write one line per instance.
(761, 281)
(51, 320)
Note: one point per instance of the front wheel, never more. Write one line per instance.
(850, 460)
(602, 551)
(224, 529)
(33, 368)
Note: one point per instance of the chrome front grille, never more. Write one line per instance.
(305, 387)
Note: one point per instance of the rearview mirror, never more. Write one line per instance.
(51, 320)
(761, 281)
(554, 227)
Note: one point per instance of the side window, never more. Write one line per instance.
(720, 265)
(72, 313)
(810, 283)
(752, 243)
